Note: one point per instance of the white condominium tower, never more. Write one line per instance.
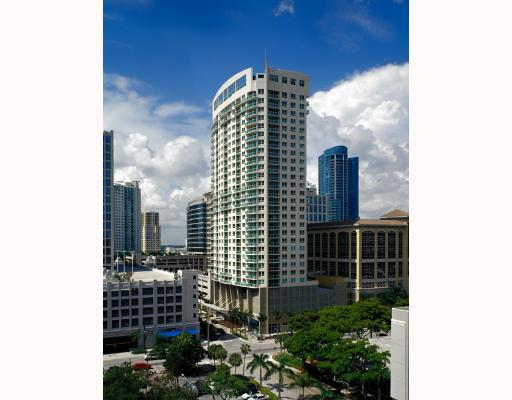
(150, 232)
(258, 154)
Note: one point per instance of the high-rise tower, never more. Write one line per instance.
(108, 208)
(150, 232)
(338, 179)
(196, 225)
(127, 205)
(258, 161)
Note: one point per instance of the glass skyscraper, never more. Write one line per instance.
(338, 179)
(127, 212)
(196, 226)
(108, 212)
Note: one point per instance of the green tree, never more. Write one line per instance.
(217, 352)
(261, 320)
(281, 370)
(235, 359)
(122, 382)
(221, 383)
(280, 338)
(302, 381)
(244, 349)
(162, 388)
(261, 362)
(391, 296)
(182, 355)
(278, 316)
(325, 393)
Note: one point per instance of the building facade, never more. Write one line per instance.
(150, 232)
(108, 204)
(177, 262)
(317, 206)
(371, 255)
(258, 154)
(400, 353)
(196, 225)
(127, 204)
(338, 179)
(155, 301)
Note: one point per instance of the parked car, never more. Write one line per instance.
(141, 365)
(152, 356)
(258, 396)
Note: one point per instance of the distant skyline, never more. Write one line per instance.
(163, 62)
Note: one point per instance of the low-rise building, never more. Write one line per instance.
(148, 302)
(203, 285)
(370, 254)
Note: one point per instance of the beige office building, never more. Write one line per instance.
(258, 234)
(369, 254)
(150, 232)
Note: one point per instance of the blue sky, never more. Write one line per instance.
(164, 61)
(186, 49)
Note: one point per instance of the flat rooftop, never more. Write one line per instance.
(146, 274)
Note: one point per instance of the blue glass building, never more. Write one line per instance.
(196, 226)
(108, 171)
(338, 179)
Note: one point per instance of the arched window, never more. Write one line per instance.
(310, 245)
(381, 244)
(400, 245)
(324, 245)
(391, 245)
(353, 245)
(332, 245)
(317, 245)
(368, 244)
(343, 245)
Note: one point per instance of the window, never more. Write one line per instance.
(400, 269)
(343, 269)
(284, 79)
(353, 245)
(353, 270)
(147, 310)
(368, 271)
(391, 270)
(332, 245)
(147, 321)
(368, 244)
(324, 245)
(135, 311)
(274, 78)
(343, 245)
(135, 322)
(147, 300)
(115, 303)
(317, 245)
(301, 83)
(332, 268)
(135, 302)
(147, 291)
(381, 270)
(381, 245)
(391, 245)
(292, 81)
(115, 324)
(169, 290)
(400, 245)
(115, 313)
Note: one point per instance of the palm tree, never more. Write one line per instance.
(302, 381)
(216, 351)
(235, 359)
(278, 315)
(260, 361)
(261, 318)
(245, 349)
(281, 370)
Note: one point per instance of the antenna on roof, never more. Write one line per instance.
(266, 61)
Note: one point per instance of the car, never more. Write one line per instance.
(152, 356)
(258, 396)
(246, 396)
(142, 365)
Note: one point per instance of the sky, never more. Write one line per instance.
(164, 61)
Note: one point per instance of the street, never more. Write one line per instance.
(232, 345)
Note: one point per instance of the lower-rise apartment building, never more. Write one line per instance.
(146, 303)
(175, 262)
(369, 254)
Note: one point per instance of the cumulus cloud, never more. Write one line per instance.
(162, 146)
(285, 6)
(369, 113)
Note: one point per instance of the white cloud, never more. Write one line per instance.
(369, 113)
(162, 146)
(285, 6)
(177, 108)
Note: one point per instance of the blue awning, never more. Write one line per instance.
(170, 334)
